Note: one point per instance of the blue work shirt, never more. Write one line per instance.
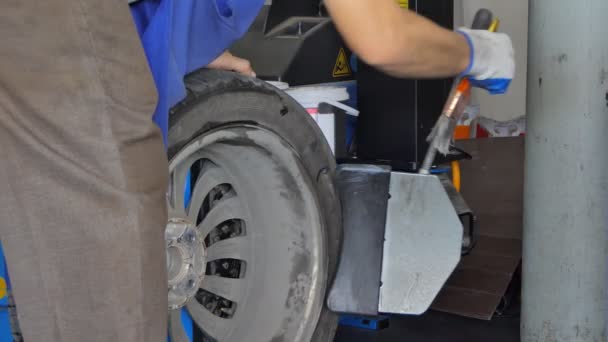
(180, 36)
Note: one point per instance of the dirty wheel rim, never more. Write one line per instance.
(251, 251)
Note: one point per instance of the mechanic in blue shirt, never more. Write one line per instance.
(399, 42)
(83, 167)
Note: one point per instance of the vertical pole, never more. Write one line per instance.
(565, 272)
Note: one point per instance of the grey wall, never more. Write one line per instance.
(514, 21)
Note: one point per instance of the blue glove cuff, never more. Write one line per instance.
(496, 86)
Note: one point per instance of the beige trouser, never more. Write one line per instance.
(82, 173)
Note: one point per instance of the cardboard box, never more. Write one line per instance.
(492, 184)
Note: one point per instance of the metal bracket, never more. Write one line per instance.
(402, 240)
(466, 215)
(422, 244)
(364, 195)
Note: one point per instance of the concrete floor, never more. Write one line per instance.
(438, 327)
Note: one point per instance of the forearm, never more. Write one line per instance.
(397, 41)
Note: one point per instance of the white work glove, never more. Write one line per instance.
(492, 65)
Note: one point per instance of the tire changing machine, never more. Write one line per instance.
(403, 233)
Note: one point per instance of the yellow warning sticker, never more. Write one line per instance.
(342, 68)
(404, 3)
(3, 288)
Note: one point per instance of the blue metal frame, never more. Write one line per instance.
(368, 323)
(6, 334)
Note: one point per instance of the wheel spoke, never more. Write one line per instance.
(176, 213)
(178, 184)
(227, 288)
(212, 325)
(225, 210)
(209, 179)
(238, 248)
(176, 327)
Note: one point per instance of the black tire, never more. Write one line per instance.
(216, 99)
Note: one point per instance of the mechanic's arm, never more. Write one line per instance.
(398, 41)
(404, 44)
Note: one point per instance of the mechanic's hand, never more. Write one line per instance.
(229, 62)
(492, 65)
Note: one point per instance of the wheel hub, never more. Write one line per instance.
(185, 261)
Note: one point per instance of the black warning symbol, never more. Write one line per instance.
(342, 68)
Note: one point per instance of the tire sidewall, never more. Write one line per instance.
(219, 99)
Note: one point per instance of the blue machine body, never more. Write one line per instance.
(367, 323)
(5, 326)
